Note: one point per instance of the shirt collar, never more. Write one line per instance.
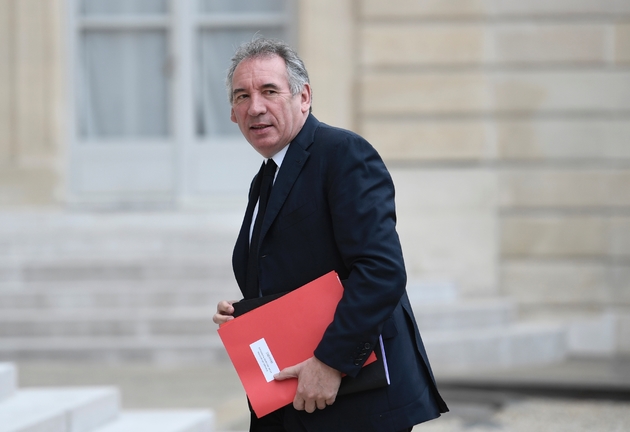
(279, 157)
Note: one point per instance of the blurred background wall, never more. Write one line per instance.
(505, 124)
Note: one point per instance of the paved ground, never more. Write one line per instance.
(493, 408)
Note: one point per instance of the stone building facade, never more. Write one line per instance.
(505, 124)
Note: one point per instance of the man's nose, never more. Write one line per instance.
(257, 105)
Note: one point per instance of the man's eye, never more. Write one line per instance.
(241, 97)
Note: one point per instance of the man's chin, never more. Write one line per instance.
(266, 149)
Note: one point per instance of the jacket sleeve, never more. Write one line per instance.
(360, 195)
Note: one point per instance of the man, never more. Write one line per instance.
(331, 207)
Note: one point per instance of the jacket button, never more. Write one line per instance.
(357, 362)
(367, 346)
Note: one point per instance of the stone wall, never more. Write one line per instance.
(506, 124)
(31, 103)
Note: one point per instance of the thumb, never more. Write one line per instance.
(286, 373)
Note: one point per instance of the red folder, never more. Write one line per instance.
(279, 334)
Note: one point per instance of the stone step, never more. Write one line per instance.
(59, 410)
(8, 380)
(55, 235)
(502, 347)
(464, 314)
(15, 273)
(139, 323)
(156, 350)
(136, 319)
(449, 350)
(162, 421)
(118, 295)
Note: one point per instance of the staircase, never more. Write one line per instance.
(485, 334)
(144, 286)
(90, 409)
(113, 287)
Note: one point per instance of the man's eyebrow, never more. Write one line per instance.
(264, 86)
(271, 85)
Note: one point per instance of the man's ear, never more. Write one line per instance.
(232, 116)
(305, 98)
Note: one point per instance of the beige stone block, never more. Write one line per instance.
(575, 284)
(622, 43)
(421, 9)
(620, 282)
(476, 8)
(26, 187)
(563, 139)
(576, 91)
(618, 188)
(565, 91)
(411, 44)
(558, 237)
(564, 188)
(408, 93)
(428, 140)
(445, 190)
(330, 57)
(619, 235)
(36, 62)
(557, 7)
(544, 43)
(447, 226)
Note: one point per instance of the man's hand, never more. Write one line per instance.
(224, 312)
(318, 384)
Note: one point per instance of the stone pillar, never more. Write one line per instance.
(31, 102)
(327, 46)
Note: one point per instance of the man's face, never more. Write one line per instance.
(268, 115)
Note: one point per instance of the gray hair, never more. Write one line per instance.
(263, 47)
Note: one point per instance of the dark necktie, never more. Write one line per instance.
(252, 263)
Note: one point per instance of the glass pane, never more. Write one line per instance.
(241, 6)
(216, 48)
(123, 90)
(123, 7)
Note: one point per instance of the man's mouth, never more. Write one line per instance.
(259, 126)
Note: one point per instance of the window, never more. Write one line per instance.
(123, 87)
(151, 115)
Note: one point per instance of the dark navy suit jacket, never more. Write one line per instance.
(332, 208)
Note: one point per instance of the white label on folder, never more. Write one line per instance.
(264, 358)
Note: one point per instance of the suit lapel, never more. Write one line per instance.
(292, 165)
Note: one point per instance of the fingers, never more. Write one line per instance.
(286, 373)
(309, 405)
(224, 312)
(321, 404)
(317, 384)
(299, 403)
